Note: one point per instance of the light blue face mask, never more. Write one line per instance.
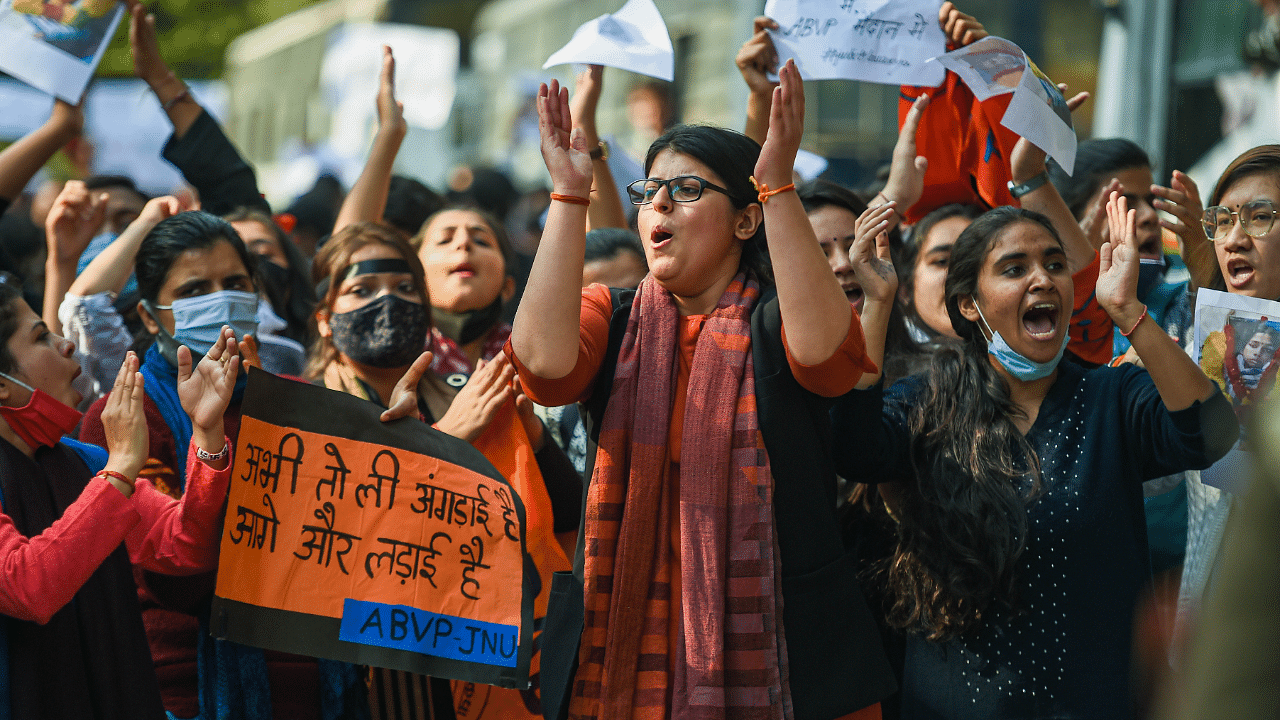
(93, 249)
(1019, 365)
(198, 321)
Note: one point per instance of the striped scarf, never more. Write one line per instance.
(731, 658)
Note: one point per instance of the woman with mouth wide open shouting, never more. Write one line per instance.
(712, 497)
(1022, 543)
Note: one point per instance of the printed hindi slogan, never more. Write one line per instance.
(385, 544)
(868, 40)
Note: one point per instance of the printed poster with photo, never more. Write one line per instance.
(56, 45)
(1237, 344)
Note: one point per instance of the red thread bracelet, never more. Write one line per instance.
(766, 193)
(571, 199)
(1135, 325)
(118, 476)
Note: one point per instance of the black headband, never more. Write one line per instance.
(367, 267)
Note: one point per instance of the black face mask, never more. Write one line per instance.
(277, 281)
(389, 332)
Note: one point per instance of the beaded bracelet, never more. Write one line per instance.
(766, 193)
(1136, 324)
(571, 199)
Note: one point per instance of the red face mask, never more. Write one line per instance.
(43, 420)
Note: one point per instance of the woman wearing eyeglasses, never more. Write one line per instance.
(1241, 222)
(712, 495)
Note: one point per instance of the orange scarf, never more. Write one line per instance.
(731, 658)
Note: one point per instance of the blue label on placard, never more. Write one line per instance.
(405, 628)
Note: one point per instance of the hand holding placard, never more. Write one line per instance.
(869, 40)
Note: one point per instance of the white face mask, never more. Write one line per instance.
(198, 321)
(1019, 365)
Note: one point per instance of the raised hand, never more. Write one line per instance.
(1182, 200)
(390, 110)
(1117, 288)
(125, 424)
(586, 97)
(404, 396)
(1094, 222)
(67, 118)
(786, 128)
(205, 390)
(75, 218)
(757, 57)
(905, 185)
(478, 401)
(148, 65)
(869, 254)
(564, 149)
(960, 29)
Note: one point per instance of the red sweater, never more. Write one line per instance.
(169, 604)
(39, 575)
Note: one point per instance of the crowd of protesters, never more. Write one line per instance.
(924, 450)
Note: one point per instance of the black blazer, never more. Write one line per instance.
(837, 661)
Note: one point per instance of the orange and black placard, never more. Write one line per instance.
(384, 544)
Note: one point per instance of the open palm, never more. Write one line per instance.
(205, 390)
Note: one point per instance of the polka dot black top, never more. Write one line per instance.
(1098, 435)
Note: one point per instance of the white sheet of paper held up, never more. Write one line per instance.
(56, 47)
(634, 38)
(869, 40)
(1038, 112)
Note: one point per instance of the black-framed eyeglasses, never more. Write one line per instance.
(1256, 218)
(683, 189)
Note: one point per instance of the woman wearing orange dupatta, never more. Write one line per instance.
(712, 497)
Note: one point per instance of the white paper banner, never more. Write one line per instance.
(634, 38)
(1237, 339)
(869, 40)
(56, 46)
(994, 66)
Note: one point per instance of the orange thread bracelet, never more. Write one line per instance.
(1135, 325)
(766, 193)
(571, 199)
(104, 474)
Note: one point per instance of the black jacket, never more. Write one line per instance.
(837, 662)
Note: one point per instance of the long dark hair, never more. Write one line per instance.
(732, 156)
(964, 523)
(10, 294)
(1261, 160)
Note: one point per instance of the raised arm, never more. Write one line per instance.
(606, 207)
(905, 185)
(150, 67)
(22, 160)
(368, 197)
(109, 271)
(1027, 163)
(873, 266)
(756, 59)
(76, 216)
(815, 311)
(1178, 379)
(1182, 200)
(546, 330)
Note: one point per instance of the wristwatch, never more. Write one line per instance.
(1035, 183)
(601, 152)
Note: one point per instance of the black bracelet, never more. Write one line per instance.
(1035, 183)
